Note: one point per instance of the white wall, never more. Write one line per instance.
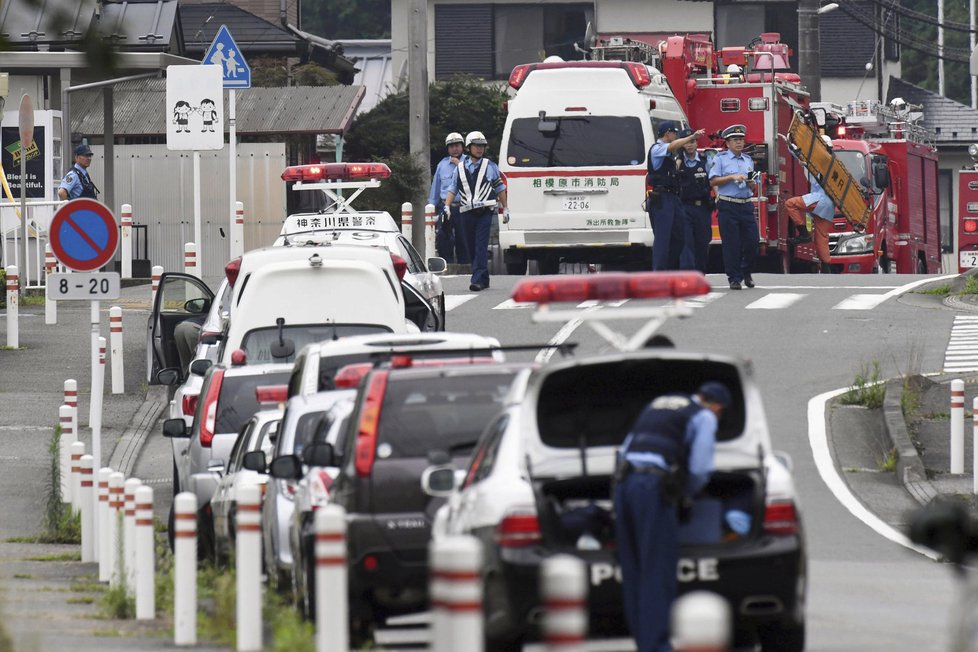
(33, 85)
(678, 16)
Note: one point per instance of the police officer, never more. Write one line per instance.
(78, 183)
(665, 209)
(666, 457)
(695, 193)
(448, 246)
(480, 189)
(818, 203)
(731, 176)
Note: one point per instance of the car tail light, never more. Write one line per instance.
(238, 358)
(370, 563)
(349, 377)
(781, 518)
(519, 74)
(971, 226)
(232, 269)
(209, 415)
(366, 448)
(401, 361)
(611, 286)
(518, 529)
(319, 485)
(189, 404)
(272, 393)
(336, 172)
(840, 131)
(400, 266)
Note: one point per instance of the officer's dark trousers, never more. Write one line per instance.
(739, 234)
(449, 247)
(698, 233)
(647, 535)
(668, 228)
(476, 227)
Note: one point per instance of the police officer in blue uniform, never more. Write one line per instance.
(665, 458)
(731, 176)
(665, 208)
(695, 193)
(78, 183)
(448, 246)
(480, 189)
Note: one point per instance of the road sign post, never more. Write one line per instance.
(25, 124)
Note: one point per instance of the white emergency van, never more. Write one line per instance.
(574, 155)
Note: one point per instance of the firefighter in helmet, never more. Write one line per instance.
(449, 247)
(734, 74)
(480, 189)
(822, 208)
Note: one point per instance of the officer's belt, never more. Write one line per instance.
(696, 202)
(736, 200)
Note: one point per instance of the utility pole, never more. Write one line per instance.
(418, 109)
(809, 65)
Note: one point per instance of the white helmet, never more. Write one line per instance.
(827, 141)
(734, 69)
(475, 138)
(453, 138)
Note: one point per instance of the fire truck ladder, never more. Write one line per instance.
(832, 175)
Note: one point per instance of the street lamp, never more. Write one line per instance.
(826, 8)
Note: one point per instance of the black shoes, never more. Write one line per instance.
(801, 235)
(749, 282)
(475, 287)
(735, 285)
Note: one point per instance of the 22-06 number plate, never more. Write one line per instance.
(969, 259)
(577, 203)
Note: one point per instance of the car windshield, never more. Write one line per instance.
(585, 141)
(257, 344)
(441, 412)
(238, 401)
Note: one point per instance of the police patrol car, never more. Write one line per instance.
(339, 223)
(539, 480)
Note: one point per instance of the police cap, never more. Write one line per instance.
(665, 127)
(715, 392)
(83, 150)
(734, 131)
(685, 132)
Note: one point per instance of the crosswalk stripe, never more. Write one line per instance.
(703, 299)
(453, 301)
(775, 301)
(509, 304)
(860, 302)
(961, 353)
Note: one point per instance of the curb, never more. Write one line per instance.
(956, 302)
(127, 449)
(910, 469)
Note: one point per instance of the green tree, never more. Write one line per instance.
(920, 67)
(273, 71)
(338, 19)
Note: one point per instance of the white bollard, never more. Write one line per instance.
(129, 488)
(116, 506)
(75, 451)
(248, 566)
(185, 569)
(125, 243)
(563, 585)
(407, 219)
(145, 557)
(101, 522)
(701, 623)
(957, 426)
(429, 231)
(71, 397)
(50, 267)
(154, 285)
(95, 409)
(456, 594)
(115, 336)
(190, 259)
(64, 452)
(238, 224)
(332, 624)
(974, 444)
(13, 336)
(85, 499)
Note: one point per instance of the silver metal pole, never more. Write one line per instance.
(418, 107)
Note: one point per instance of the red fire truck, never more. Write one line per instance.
(968, 214)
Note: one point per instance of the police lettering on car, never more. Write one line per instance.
(78, 183)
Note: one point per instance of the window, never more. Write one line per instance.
(484, 458)
(257, 344)
(238, 401)
(945, 193)
(577, 142)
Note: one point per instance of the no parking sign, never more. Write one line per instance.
(84, 235)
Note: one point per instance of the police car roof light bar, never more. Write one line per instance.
(611, 287)
(337, 172)
(638, 72)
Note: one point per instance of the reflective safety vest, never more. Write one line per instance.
(475, 192)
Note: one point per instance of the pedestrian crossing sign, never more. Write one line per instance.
(224, 52)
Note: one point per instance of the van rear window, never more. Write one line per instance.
(585, 141)
(257, 344)
(238, 401)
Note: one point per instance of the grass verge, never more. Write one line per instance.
(867, 388)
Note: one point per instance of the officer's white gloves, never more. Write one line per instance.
(505, 215)
(446, 214)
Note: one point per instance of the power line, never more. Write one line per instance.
(918, 16)
(907, 39)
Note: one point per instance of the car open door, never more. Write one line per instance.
(180, 297)
(419, 310)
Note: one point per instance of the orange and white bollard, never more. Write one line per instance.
(101, 522)
(13, 285)
(145, 564)
(701, 623)
(64, 452)
(332, 625)
(974, 442)
(125, 242)
(429, 230)
(456, 594)
(50, 267)
(87, 502)
(115, 337)
(239, 218)
(71, 396)
(564, 592)
(185, 569)
(114, 531)
(157, 272)
(95, 409)
(407, 219)
(957, 426)
(129, 488)
(190, 259)
(76, 450)
(248, 567)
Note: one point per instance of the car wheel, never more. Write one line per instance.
(501, 633)
(361, 623)
(310, 589)
(171, 522)
(783, 636)
(176, 480)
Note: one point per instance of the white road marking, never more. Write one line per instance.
(28, 428)
(453, 301)
(961, 353)
(565, 331)
(861, 302)
(509, 304)
(703, 299)
(775, 301)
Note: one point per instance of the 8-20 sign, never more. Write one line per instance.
(94, 286)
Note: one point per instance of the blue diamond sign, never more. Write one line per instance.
(224, 52)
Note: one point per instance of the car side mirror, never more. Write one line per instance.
(319, 455)
(254, 461)
(197, 306)
(200, 367)
(438, 481)
(169, 376)
(286, 467)
(176, 429)
(437, 265)
(881, 176)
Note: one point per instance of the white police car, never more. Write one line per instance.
(339, 223)
(539, 483)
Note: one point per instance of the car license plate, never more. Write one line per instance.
(969, 259)
(577, 203)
